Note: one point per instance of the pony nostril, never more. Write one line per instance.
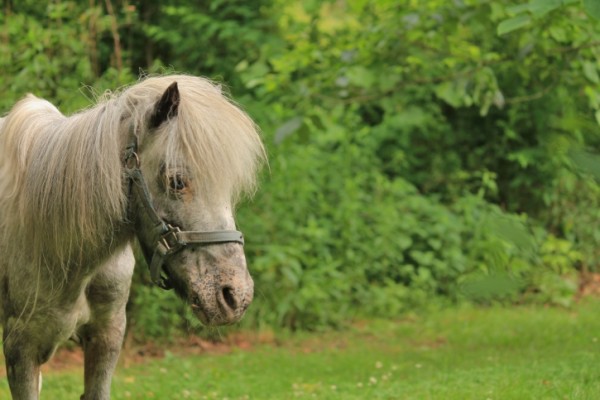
(229, 297)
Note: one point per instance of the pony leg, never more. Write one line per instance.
(102, 336)
(101, 346)
(23, 367)
(24, 379)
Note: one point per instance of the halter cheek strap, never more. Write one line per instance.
(165, 239)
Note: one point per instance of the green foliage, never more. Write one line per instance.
(592, 7)
(420, 151)
(208, 38)
(486, 99)
(154, 313)
(51, 52)
(456, 116)
(347, 235)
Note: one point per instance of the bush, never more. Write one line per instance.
(419, 150)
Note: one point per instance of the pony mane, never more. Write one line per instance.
(61, 182)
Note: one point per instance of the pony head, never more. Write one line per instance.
(198, 153)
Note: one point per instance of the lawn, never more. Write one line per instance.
(466, 353)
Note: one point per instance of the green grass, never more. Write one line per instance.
(467, 353)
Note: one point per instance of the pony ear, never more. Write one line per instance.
(166, 107)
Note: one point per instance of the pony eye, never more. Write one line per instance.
(177, 183)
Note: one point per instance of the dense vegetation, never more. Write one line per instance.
(421, 152)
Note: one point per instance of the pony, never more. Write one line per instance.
(163, 162)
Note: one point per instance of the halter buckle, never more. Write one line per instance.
(169, 242)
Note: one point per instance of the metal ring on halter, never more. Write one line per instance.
(132, 156)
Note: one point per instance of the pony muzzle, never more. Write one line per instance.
(222, 303)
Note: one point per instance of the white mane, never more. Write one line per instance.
(61, 186)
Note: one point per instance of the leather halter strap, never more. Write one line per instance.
(166, 239)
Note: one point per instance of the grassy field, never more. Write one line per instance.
(467, 353)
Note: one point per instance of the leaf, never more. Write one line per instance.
(592, 7)
(587, 162)
(512, 231)
(590, 71)
(291, 275)
(558, 34)
(361, 77)
(512, 24)
(447, 92)
(539, 8)
(518, 9)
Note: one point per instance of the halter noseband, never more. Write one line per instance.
(167, 239)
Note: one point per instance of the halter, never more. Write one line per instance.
(167, 239)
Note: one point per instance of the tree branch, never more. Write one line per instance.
(115, 34)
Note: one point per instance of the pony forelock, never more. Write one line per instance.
(211, 137)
